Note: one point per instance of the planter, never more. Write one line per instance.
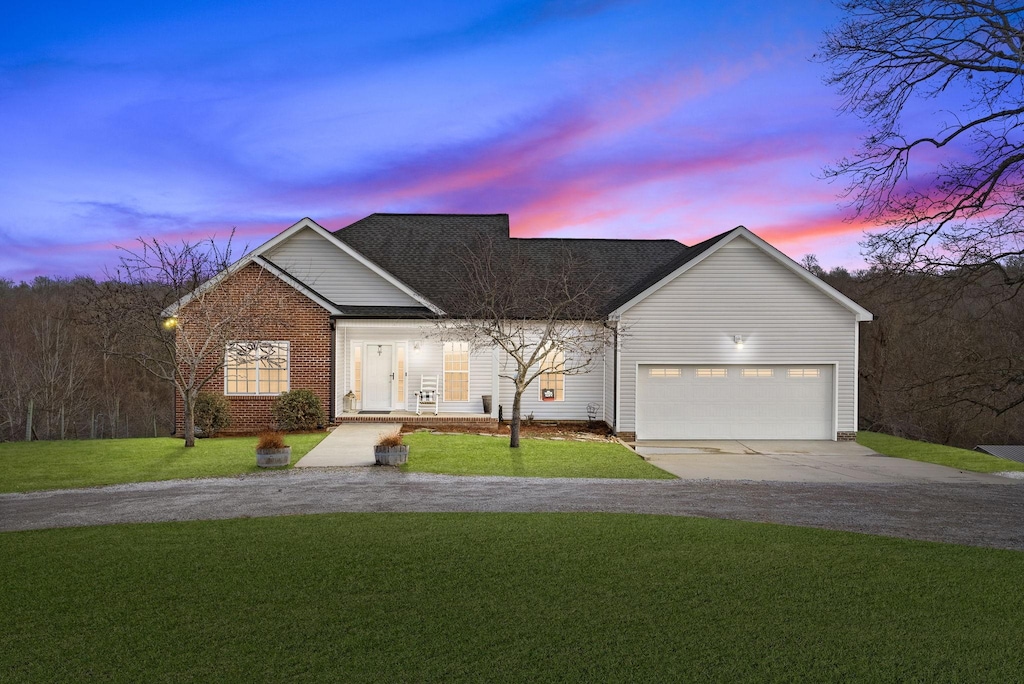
(391, 456)
(273, 458)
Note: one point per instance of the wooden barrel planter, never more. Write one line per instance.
(391, 455)
(273, 458)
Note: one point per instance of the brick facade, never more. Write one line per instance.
(304, 324)
(846, 436)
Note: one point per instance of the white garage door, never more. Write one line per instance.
(734, 402)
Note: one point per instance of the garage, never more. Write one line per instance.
(709, 401)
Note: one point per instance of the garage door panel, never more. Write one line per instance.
(734, 402)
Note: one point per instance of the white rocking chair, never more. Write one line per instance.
(428, 393)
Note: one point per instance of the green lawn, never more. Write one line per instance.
(962, 459)
(84, 463)
(477, 455)
(502, 597)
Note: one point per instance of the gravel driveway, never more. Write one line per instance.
(963, 513)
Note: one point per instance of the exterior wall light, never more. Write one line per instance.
(170, 323)
(416, 347)
(738, 339)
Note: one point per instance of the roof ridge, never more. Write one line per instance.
(418, 213)
(580, 239)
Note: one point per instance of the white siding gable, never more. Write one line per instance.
(740, 290)
(333, 273)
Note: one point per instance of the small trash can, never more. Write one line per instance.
(487, 403)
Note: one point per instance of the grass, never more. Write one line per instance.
(502, 597)
(478, 455)
(84, 463)
(963, 459)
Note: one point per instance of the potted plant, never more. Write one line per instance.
(389, 450)
(271, 451)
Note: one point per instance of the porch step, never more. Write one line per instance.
(412, 419)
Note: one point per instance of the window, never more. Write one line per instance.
(664, 372)
(712, 372)
(401, 374)
(256, 368)
(357, 371)
(757, 372)
(456, 371)
(804, 372)
(552, 379)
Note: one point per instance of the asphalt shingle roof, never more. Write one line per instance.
(1012, 452)
(417, 248)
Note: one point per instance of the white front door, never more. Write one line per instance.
(378, 377)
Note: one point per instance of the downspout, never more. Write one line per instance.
(615, 383)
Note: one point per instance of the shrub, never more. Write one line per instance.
(271, 440)
(392, 439)
(298, 410)
(212, 413)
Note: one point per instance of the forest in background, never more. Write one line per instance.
(52, 360)
(941, 363)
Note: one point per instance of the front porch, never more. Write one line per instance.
(410, 418)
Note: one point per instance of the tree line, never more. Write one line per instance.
(942, 361)
(56, 379)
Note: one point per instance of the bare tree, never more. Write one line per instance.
(960, 207)
(175, 309)
(542, 311)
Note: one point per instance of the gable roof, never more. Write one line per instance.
(701, 251)
(256, 256)
(416, 248)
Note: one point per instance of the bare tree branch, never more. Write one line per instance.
(529, 306)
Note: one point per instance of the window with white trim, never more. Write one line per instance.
(456, 371)
(401, 373)
(357, 372)
(664, 372)
(757, 372)
(256, 368)
(804, 372)
(552, 377)
(712, 372)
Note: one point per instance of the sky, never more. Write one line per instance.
(578, 118)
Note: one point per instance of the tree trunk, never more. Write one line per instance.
(188, 402)
(514, 425)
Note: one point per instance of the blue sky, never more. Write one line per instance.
(576, 117)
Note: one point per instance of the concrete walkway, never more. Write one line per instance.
(962, 513)
(348, 445)
(797, 461)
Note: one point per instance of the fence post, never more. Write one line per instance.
(62, 421)
(92, 425)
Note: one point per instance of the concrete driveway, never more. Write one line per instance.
(796, 461)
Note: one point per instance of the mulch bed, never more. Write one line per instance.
(538, 430)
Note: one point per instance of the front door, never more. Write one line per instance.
(378, 377)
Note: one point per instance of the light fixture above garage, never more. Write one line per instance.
(738, 339)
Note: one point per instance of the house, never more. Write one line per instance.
(726, 339)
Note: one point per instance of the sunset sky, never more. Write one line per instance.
(579, 118)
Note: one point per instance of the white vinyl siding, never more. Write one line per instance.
(739, 290)
(333, 273)
(579, 390)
